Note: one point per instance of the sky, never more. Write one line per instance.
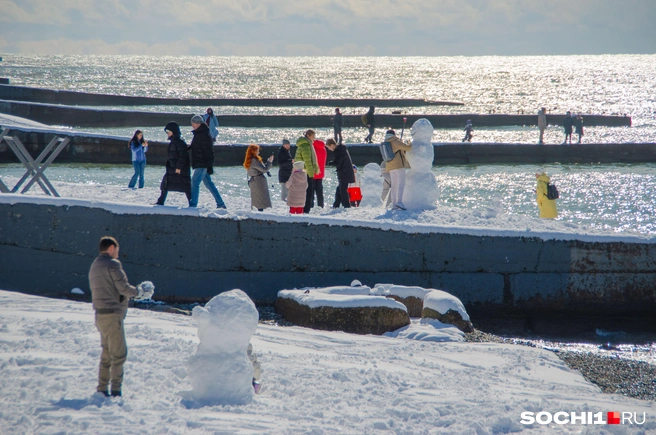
(328, 27)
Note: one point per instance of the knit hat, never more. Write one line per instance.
(197, 119)
(174, 128)
(540, 171)
(299, 165)
(285, 142)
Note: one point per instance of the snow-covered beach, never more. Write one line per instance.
(314, 381)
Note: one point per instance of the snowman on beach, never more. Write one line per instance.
(421, 191)
(221, 371)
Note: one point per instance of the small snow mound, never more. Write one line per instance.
(220, 371)
(77, 291)
(356, 283)
(442, 302)
(401, 291)
(428, 330)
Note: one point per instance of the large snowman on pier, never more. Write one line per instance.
(421, 190)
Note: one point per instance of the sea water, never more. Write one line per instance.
(602, 84)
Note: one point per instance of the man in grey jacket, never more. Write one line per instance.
(110, 292)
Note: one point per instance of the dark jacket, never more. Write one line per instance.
(178, 158)
(567, 124)
(285, 164)
(202, 149)
(371, 119)
(344, 165)
(338, 121)
(578, 123)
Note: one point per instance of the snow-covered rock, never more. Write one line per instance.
(410, 296)
(348, 309)
(446, 308)
(220, 371)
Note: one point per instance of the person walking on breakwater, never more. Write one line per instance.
(139, 148)
(110, 292)
(468, 131)
(338, 123)
(202, 160)
(285, 167)
(542, 124)
(396, 167)
(568, 122)
(547, 207)
(578, 126)
(178, 176)
(306, 154)
(322, 154)
(345, 175)
(212, 122)
(297, 185)
(257, 183)
(370, 123)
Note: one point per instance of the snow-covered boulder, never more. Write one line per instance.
(446, 308)
(220, 371)
(410, 296)
(348, 309)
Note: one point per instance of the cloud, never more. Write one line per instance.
(328, 27)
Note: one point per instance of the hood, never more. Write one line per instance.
(544, 177)
(302, 141)
(174, 128)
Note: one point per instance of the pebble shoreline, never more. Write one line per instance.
(613, 375)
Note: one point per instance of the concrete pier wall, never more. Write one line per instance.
(53, 114)
(90, 149)
(49, 248)
(40, 95)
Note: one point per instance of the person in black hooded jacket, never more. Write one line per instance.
(202, 160)
(177, 177)
(345, 175)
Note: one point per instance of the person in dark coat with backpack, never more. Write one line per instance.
(177, 177)
(345, 175)
(285, 165)
(371, 124)
(202, 160)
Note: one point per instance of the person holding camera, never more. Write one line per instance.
(257, 183)
(139, 147)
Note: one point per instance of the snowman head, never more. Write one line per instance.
(422, 130)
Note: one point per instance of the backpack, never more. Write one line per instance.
(363, 118)
(552, 191)
(386, 151)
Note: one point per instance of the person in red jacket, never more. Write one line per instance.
(322, 154)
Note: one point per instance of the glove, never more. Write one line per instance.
(146, 290)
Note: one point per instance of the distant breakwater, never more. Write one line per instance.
(48, 248)
(98, 149)
(54, 114)
(40, 95)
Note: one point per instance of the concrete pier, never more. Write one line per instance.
(48, 247)
(40, 95)
(52, 114)
(94, 149)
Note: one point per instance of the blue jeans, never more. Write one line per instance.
(139, 168)
(199, 175)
